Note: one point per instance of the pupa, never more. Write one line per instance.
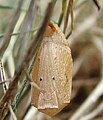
(52, 72)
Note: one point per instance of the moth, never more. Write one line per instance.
(52, 72)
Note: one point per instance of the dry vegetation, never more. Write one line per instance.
(19, 21)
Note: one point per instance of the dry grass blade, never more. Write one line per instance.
(9, 95)
(18, 33)
(94, 113)
(24, 39)
(69, 11)
(72, 22)
(32, 83)
(5, 87)
(97, 4)
(4, 82)
(64, 2)
(6, 39)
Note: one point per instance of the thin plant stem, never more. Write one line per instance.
(69, 11)
(97, 4)
(72, 22)
(64, 2)
(6, 39)
(5, 87)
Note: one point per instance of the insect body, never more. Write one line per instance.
(52, 72)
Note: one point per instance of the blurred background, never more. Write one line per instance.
(86, 43)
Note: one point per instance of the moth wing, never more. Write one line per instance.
(34, 77)
(68, 76)
(60, 66)
(47, 98)
(63, 71)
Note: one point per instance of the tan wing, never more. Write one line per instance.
(34, 75)
(64, 66)
(62, 71)
(60, 66)
(48, 98)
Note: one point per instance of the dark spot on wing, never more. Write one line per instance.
(53, 78)
(41, 79)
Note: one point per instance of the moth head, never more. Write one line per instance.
(50, 29)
